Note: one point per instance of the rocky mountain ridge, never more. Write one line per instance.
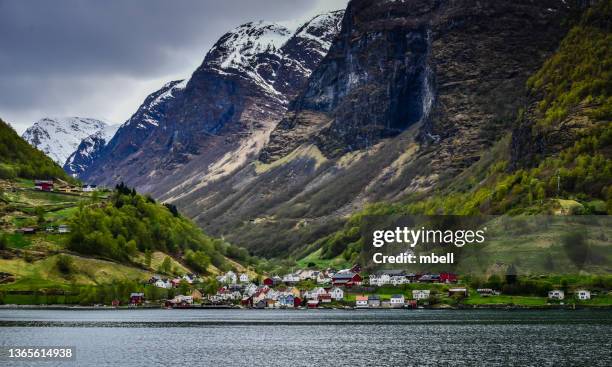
(224, 113)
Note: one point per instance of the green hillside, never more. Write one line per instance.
(20, 159)
(117, 240)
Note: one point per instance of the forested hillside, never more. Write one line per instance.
(19, 159)
(128, 224)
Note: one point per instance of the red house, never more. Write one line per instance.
(247, 302)
(43, 185)
(297, 302)
(136, 298)
(346, 279)
(448, 278)
(268, 281)
(325, 298)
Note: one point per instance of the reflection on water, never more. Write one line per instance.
(317, 337)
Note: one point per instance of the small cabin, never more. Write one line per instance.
(463, 292)
(313, 303)
(556, 294)
(583, 295)
(27, 230)
(397, 301)
(374, 301)
(361, 301)
(137, 298)
(43, 185)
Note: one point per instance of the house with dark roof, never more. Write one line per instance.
(346, 279)
(430, 278)
(393, 276)
(397, 301)
(374, 301)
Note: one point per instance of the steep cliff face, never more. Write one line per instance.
(410, 94)
(458, 67)
(225, 111)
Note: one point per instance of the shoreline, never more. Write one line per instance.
(348, 308)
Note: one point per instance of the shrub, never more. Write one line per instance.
(64, 264)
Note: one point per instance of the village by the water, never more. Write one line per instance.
(312, 289)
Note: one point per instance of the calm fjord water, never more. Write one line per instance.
(316, 337)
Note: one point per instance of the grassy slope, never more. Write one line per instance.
(43, 274)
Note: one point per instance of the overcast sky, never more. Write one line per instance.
(101, 59)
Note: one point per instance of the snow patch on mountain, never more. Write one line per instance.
(58, 138)
(256, 50)
(149, 112)
(321, 29)
(249, 40)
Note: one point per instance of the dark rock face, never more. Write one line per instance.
(457, 67)
(104, 166)
(88, 151)
(241, 89)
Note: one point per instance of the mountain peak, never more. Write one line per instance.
(238, 48)
(58, 137)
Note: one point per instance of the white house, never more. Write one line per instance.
(394, 277)
(399, 280)
(419, 294)
(250, 289)
(63, 228)
(273, 294)
(337, 294)
(244, 278)
(305, 274)
(230, 277)
(583, 295)
(89, 188)
(397, 300)
(291, 278)
(315, 293)
(361, 302)
(162, 284)
(323, 279)
(556, 294)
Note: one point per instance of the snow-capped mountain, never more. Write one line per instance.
(89, 150)
(193, 131)
(155, 106)
(59, 137)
